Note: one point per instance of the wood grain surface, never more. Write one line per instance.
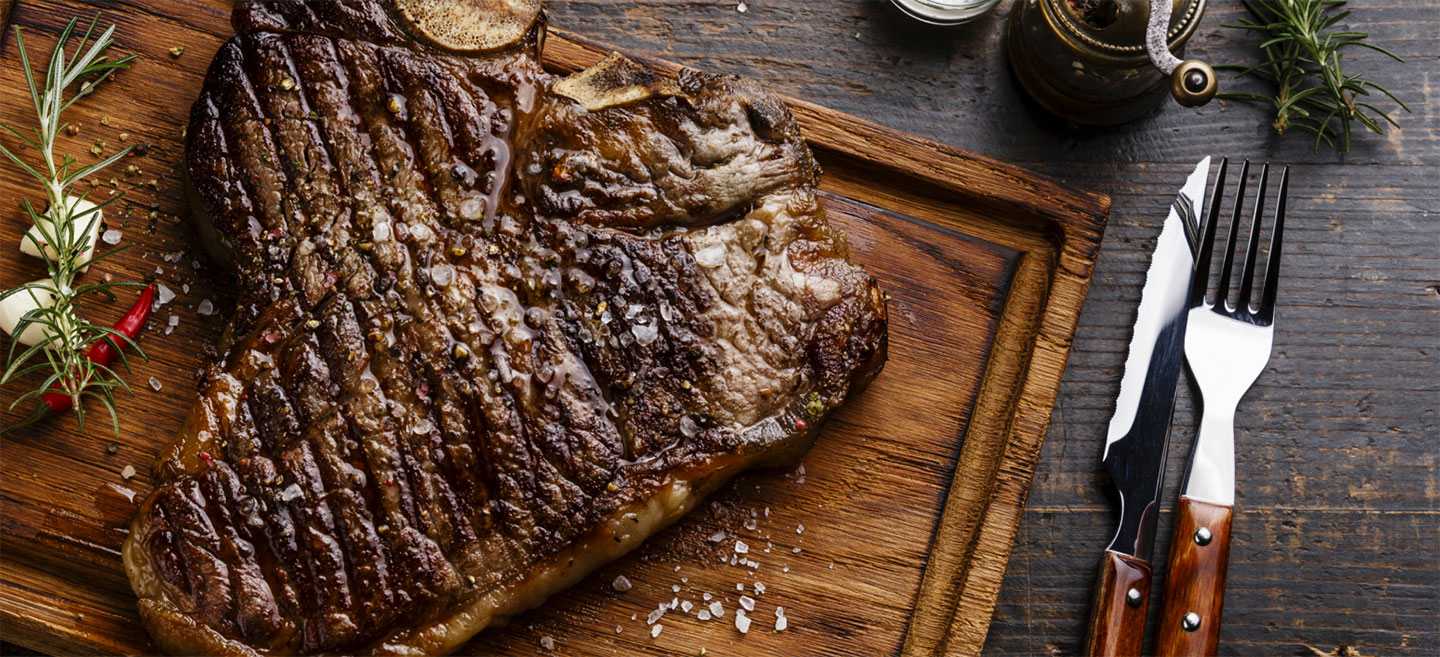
(1339, 505)
(893, 537)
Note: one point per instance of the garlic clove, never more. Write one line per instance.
(13, 308)
(87, 217)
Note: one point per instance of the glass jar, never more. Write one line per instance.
(945, 12)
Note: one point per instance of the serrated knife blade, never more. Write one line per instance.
(1135, 444)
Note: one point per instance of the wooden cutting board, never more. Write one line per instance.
(891, 539)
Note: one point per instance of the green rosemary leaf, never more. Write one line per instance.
(92, 168)
(1302, 51)
(9, 155)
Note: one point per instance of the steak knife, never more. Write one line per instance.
(1135, 445)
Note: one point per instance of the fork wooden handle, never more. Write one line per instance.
(1117, 617)
(1195, 583)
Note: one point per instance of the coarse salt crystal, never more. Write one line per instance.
(547, 643)
(127, 472)
(759, 588)
(747, 602)
(655, 615)
(717, 610)
(717, 536)
(704, 615)
(706, 597)
(711, 256)
(206, 307)
(742, 622)
(621, 584)
(686, 606)
(645, 334)
(443, 275)
(674, 588)
(781, 622)
(381, 231)
(163, 295)
(155, 384)
(472, 208)
(291, 493)
(741, 547)
(111, 237)
(655, 630)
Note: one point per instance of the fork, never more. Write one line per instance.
(1227, 347)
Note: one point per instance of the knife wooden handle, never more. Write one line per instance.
(1195, 583)
(1117, 616)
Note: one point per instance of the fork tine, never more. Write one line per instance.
(1200, 279)
(1222, 294)
(1252, 247)
(1272, 269)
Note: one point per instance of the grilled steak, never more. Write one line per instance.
(494, 328)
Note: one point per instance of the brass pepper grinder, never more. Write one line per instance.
(1105, 62)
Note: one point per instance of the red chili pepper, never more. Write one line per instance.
(801, 425)
(103, 351)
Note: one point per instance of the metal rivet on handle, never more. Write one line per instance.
(1203, 536)
(1190, 622)
(1132, 597)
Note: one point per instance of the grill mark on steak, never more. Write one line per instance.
(480, 331)
(429, 492)
(445, 386)
(339, 547)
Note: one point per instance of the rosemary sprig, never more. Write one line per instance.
(66, 229)
(1303, 53)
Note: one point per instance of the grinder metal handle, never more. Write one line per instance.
(1192, 82)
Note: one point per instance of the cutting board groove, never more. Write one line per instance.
(891, 540)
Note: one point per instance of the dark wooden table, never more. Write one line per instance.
(1339, 471)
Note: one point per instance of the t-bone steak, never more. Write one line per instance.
(493, 326)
